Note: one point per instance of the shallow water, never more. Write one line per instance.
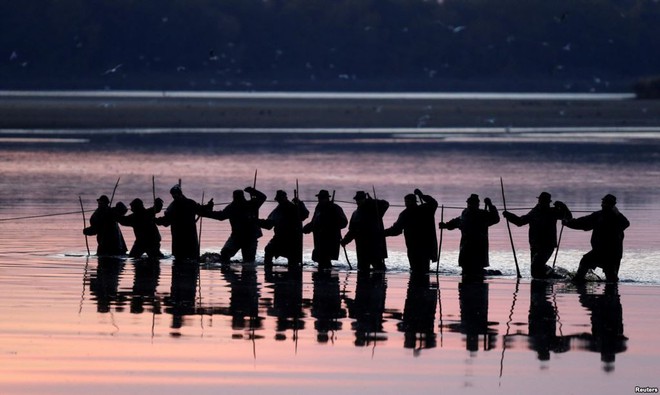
(76, 324)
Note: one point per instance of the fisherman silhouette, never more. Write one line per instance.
(366, 228)
(542, 221)
(606, 335)
(417, 223)
(243, 216)
(103, 224)
(418, 319)
(180, 215)
(243, 297)
(326, 225)
(326, 304)
(608, 225)
(473, 223)
(286, 222)
(143, 222)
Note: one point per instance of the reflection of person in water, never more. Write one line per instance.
(543, 322)
(145, 282)
(606, 323)
(326, 304)
(473, 223)
(473, 300)
(419, 313)
(244, 297)
(287, 303)
(105, 283)
(417, 223)
(368, 307)
(181, 301)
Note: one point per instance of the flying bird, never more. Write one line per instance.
(113, 70)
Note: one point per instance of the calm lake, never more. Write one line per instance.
(75, 324)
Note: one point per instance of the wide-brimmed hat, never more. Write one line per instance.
(103, 199)
(280, 194)
(610, 199)
(323, 193)
(545, 197)
(474, 198)
(360, 195)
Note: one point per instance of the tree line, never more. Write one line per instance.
(563, 45)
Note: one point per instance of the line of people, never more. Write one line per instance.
(365, 227)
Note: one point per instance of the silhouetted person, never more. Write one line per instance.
(368, 307)
(103, 224)
(243, 216)
(608, 225)
(417, 223)
(606, 336)
(419, 312)
(366, 228)
(286, 222)
(326, 225)
(143, 222)
(326, 304)
(473, 223)
(542, 221)
(180, 215)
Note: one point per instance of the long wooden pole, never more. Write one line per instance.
(199, 238)
(114, 190)
(153, 187)
(378, 217)
(82, 210)
(554, 261)
(254, 183)
(442, 219)
(508, 226)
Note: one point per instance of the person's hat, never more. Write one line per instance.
(360, 195)
(238, 194)
(474, 198)
(280, 194)
(610, 199)
(545, 197)
(323, 193)
(103, 199)
(137, 203)
(175, 189)
(410, 197)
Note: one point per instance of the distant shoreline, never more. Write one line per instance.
(292, 110)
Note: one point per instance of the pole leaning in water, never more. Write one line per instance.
(508, 227)
(82, 210)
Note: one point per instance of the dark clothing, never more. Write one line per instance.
(606, 241)
(243, 216)
(147, 236)
(418, 227)
(286, 222)
(474, 223)
(366, 228)
(326, 225)
(180, 215)
(103, 224)
(542, 220)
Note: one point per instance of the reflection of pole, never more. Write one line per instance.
(82, 296)
(442, 219)
(508, 226)
(82, 210)
(508, 327)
